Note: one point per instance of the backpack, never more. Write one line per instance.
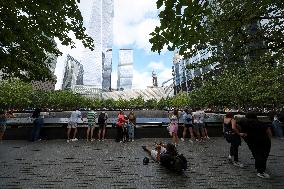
(101, 119)
(188, 119)
(175, 163)
(180, 163)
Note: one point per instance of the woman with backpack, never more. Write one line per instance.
(187, 124)
(102, 122)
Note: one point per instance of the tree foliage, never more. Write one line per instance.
(27, 33)
(242, 41)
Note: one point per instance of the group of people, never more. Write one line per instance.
(125, 126)
(255, 133)
(76, 116)
(192, 122)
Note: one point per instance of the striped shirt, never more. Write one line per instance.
(91, 116)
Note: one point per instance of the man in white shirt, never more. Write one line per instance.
(73, 122)
(198, 122)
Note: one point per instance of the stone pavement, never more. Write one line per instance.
(57, 164)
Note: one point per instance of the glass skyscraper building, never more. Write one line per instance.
(97, 63)
(73, 73)
(125, 69)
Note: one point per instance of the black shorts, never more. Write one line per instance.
(102, 126)
(188, 125)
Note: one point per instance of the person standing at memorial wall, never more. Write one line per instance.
(3, 122)
(102, 122)
(198, 123)
(75, 117)
(277, 126)
(91, 117)
(131, 125)
(37, 125)
(187, 125)
(119, 126)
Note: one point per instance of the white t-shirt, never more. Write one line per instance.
(198, 116)
(75, 116)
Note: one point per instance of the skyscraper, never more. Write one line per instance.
(125, 69)
(107, 68)
(100, 29)
(73, 73)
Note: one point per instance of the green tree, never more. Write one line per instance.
(27, 33)
(15, 94)
(245, 41)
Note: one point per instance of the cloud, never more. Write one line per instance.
(156, 65)
(141, 80)
(132, 26)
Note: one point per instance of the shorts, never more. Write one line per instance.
(173, 128)
(2, 128)
(91, 125)
(198, 126)
(72, 125)
(188, 125)
(102, 126)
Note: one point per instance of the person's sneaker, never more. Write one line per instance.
(132, 140)
(230, 158)
(74, 139)
(207, 137)
(144, 148)
(238, 164)
(121, 141)
(68, 140)
(92, 140)
(263, 175)
(191, 141)
(182, 139)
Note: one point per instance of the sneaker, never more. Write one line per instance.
(121, 141)
(238, 164)
(102, 139)
(68, 140)
(92, 140)
(182, 139)
(74, 139)
(230, 158)
(263, 175)
(191, 141)
(207, 137)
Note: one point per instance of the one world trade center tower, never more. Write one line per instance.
(98, 63)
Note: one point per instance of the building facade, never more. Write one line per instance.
(125, 69)
(107, 69)
(100, 28)
(182, 76)
(73, 73)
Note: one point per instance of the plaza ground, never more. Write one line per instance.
(107, 164)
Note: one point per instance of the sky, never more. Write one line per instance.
(132, 24)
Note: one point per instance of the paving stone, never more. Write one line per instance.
(57, 164)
